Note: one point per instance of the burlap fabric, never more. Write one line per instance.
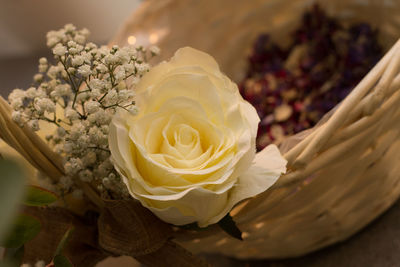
(122, 228)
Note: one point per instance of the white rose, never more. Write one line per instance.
(189, 154)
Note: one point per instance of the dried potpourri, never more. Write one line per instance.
(292, 88)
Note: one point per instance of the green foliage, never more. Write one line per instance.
(24, 229)
(11, 192)
(36, 196)
(14, 256)
(61, 261)
(229, 226)
(6, 264)
(64, 240)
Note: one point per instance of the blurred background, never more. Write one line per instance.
(23, 27)
(24, 24)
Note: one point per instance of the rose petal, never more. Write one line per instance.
(186, 155)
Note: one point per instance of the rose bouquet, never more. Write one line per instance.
(117, 139)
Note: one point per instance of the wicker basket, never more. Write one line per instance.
(344, 172)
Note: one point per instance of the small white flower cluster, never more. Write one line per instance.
(80, 94)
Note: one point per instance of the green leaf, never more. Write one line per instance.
(12, 182)
(61, 261)
(37, 196)
(64, 240)
(229, 226)
(6, 263)
(24, 229)
(14, 255)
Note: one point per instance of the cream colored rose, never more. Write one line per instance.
(189, 155)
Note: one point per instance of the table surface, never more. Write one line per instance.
(376, 245)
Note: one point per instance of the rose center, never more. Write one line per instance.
(186, 135)
(182, 141)
(187, 141)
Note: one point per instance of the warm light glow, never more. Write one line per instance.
(245, 235)
(131, 40)
(221, 242)
(259, 225)
(153, 38)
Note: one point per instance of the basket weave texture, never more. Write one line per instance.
(344, 172)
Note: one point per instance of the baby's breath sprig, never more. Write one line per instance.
(79, 95)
